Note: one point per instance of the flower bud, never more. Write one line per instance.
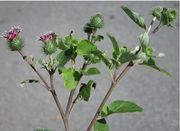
(142, 57)
(49, 48)
(46, 37)
(157, 11)
(94, 59)
(49, 45)
(172, 15)
(15, 43)
(149, 51)
(88, 29)
(97, 21)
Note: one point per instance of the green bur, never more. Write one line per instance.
(16, 44)
(97, 21)
(49, 48)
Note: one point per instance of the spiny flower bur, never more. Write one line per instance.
(14, 41)
(49, 46)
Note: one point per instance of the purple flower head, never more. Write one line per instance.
(46, 37)
(12, 34)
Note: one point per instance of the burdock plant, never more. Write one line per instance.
(61, 51)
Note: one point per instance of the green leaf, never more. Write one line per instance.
(105, 111)
(144, 40)
(172, 14)
(71, 78)
(146, 48)
(126, 57)
(121, 54)
(93, 58)
(98, 38)
(71, 40)
(61, 45)
(168, 16)
(85, 90)
(101, 125)
(121, 106)
(114, 43)
(151, 63)
(42, 130)
(59, 42)
(116, 63)
(64, 56)
(104, 58)
(87, 28)
(85, 93)
(29, 81)
(85, 47)
(92, 71)
(164, 17)
(136, 17)
(142, 57)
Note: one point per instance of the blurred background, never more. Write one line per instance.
(25, 109)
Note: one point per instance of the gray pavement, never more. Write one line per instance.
(24, 109)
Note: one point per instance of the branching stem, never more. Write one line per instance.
(70, 102)
(35, 70)
(113, 85)
(114, 82)
(49, 88)
(155, 30)
(152, 22)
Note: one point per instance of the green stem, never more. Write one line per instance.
(51, 58)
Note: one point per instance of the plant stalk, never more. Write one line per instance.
(53, 92)
(35, 70)
(65, 121)
(155, 30)
(70, 99)
(70, 103)
(113, 85)
(49, 88)
(152, 22)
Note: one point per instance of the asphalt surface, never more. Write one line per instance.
(25, 109)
